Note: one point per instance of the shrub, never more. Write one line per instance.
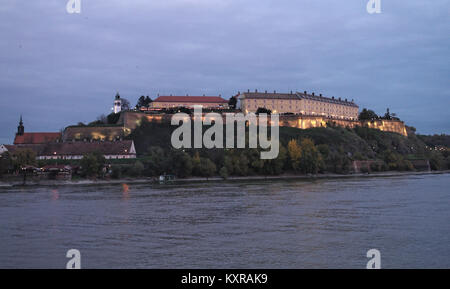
(223, 172)
(376, 167)
(436, 161)
(92, 164)
(364, 169)
(116, 172)
(136, 169)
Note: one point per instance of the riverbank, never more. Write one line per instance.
(87, 182)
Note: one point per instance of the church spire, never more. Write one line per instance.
(20, 128)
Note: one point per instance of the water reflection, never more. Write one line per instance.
(260, 224)
(125, 192)
(55, 195)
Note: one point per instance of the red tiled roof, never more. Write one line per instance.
(37, 148)
(194, 99)
(37, 137)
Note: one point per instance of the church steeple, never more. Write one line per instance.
(20, 128)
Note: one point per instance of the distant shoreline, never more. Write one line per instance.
(87, 182)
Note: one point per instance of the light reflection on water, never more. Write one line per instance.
(249, 224)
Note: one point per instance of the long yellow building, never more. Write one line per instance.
(299, 103)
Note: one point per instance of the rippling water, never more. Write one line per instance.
(328, 223)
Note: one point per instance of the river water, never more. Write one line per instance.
(326, 223)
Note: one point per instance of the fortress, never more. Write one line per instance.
(129, 120)
(298, 110)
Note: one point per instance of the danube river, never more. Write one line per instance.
(326, 223)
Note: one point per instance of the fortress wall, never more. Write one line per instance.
(132, 119)
(80, 133)
(305, 122)
(387, 125)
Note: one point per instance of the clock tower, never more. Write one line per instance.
(117, 103)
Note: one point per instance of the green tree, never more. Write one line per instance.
(113, 118)
(240, 164)
(277, 165)
(196, 164)
(324, 150)
(228, 163)
(23, 157)
(136, 169)
(232, 102)
(223, 172)
(92, 164)
(310, 159)
(5, 162)
(141, 102)
(338, 162)
(155, 161)
(367, 114)
(148, 101)
(116, 172)
(358, 156)
(181, 164)
(437, 162)
(295, 153)
(392, 159)
(208, 167)
(255, 162)
(263, 110)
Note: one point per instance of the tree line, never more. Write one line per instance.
(310, 151)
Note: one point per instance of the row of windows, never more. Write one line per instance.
(316, 104)
(80, 157)
(338, 110)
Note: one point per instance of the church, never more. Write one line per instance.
(30, 138)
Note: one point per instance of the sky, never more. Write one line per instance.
(58, 69)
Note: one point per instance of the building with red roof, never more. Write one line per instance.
(123, 149)
(49, 145)
(27, 138)
(189, 101)
(37, 138)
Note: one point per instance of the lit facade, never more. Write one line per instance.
(299, 103)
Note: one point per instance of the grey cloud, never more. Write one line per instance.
(59, 69)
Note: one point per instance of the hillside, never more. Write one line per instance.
(315, 150)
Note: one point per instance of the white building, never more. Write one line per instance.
(76, 150)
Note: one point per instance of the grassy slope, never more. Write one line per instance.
(368, 142)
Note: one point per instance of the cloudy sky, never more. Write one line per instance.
(58, 69)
